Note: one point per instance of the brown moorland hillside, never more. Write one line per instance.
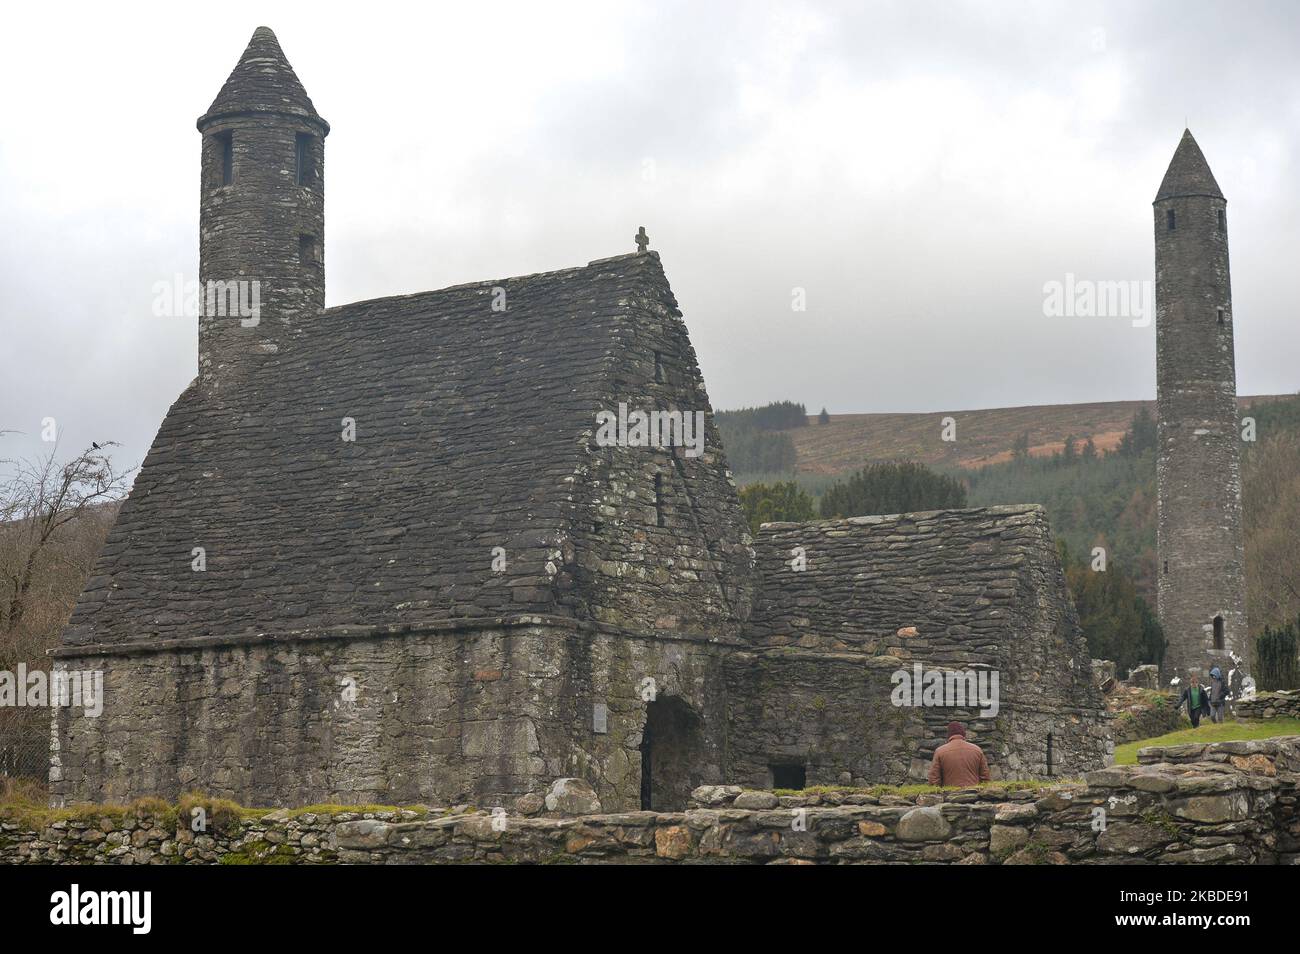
(985, 436)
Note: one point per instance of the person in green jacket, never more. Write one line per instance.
(1197, 700)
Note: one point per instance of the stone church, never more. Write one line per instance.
(377, 554)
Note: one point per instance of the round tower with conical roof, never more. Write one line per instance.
(1200, 552)
(261, 213)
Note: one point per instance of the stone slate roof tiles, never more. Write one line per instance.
(470, 426)
(1188, 172)
(263, 81)
(947, 581)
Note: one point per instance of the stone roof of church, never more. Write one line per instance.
(263, 82)
(470, 425)
(1188, 172)
(950, 583)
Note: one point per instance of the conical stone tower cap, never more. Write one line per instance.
(263, 82)
(1188, 172)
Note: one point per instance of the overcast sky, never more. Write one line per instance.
(919, 170)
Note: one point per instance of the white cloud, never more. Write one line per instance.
(921, 169)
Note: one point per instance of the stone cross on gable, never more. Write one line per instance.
(642, 240)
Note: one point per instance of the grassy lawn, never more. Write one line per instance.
(1209, 732)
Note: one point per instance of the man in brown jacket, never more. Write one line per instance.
(957, 762)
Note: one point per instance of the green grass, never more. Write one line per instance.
(259, 853)
(1209, 732)
(335, 809)
(27, 803)
(909, 791)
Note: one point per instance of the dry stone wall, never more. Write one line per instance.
(1136, 713)
(1269, 705)
(1228, 802)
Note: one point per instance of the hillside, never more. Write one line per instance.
(1106, 500)
(984, 436)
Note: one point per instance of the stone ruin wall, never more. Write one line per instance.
(1223, 803)
(1058, 723)
(1269, 705)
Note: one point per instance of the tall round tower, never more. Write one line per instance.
(261, 212)
(1200, 552)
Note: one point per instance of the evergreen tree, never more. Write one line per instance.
(769, 503)
(1275, 657)
(1020, 449)
(893, 488)
(755, 437)
(777, 416)
(1117, 622)
(1068, 453)
(1141, 434)
(758, 452)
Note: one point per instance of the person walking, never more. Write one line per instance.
(958, 762)
(1197, 700)
(1218, 694)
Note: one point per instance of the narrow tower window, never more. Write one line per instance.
(308, 251)
(1220, 310)
(1170, 219)
(226, 151)
(659, 366)
(1218, 632)
(659, 500)
(305, 174)
(1222, 223)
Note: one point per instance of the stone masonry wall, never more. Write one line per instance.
(1198, 468)
(263, 227)
(1223, 803)
(262, 219)
(831, 714)
(661, 543)
(442, 715)
(977, 590)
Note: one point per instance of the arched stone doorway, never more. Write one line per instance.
(672, 754)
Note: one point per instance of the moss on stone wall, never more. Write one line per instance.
(1240, 797)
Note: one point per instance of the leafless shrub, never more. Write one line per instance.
(53, 520)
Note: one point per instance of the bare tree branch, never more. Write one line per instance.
(37, 502)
